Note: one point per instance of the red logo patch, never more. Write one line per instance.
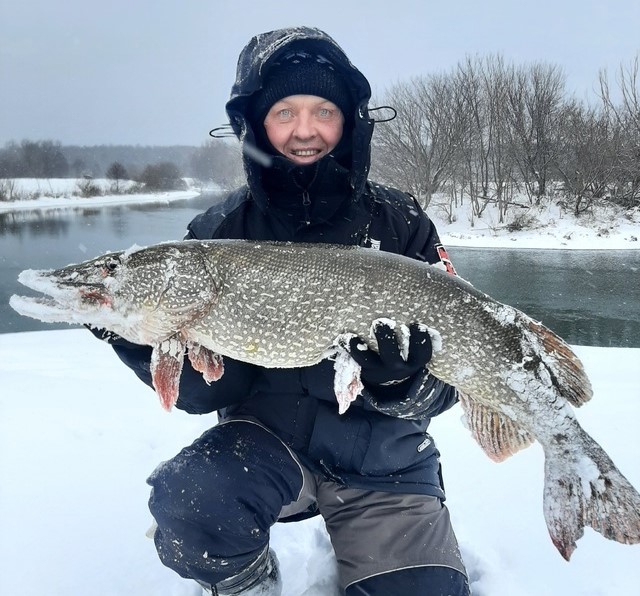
(443, 255)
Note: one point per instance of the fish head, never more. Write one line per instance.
(143, 294)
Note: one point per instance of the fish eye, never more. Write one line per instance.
(111, 264)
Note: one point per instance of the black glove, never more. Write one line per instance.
(388, 366)
(393, 385)
(109, 336)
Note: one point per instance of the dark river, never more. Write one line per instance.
(588, 297)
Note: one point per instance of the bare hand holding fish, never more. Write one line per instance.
(292, 305)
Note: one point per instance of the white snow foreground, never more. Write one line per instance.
(79, 434)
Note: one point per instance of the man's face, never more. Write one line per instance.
(304, 128)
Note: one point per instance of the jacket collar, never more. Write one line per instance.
(305, 195)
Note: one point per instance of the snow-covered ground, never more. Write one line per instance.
(79, 434)
(605, 226)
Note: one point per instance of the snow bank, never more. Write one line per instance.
(54, 193)
(550, 225)
(605, 226)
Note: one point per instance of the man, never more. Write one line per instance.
(281, 451)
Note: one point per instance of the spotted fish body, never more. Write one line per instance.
(292, 305)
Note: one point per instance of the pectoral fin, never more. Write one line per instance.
(499, 436)
(347, 384)
(166, 366)
(206, 362)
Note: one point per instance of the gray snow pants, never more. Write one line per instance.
(216, 501)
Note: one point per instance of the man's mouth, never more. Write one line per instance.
(305, 152)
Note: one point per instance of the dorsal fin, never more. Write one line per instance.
(499, 436)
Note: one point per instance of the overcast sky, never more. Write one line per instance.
(159, 71)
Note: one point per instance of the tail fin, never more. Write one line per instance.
(583, 487)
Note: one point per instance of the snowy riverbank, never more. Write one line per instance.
(606, 227)
(60, 193)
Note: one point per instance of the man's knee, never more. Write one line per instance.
(215, 502)
(426, 581)
(232, 470)
(195, 486)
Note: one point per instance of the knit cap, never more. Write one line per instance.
(302, 73)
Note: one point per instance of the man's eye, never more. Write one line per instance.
(284, 113)
(329, 113)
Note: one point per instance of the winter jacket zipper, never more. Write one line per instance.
(306, 204)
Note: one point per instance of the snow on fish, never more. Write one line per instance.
(291, 305)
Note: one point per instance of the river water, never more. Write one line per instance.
(588, 297)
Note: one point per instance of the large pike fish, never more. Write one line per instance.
(292, 305)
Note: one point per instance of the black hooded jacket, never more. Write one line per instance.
(330, 201)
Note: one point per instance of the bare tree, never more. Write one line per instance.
(498, 79)
(162, 176)
(415, 150)
(535, 100)
(485, 159)
(585, 155)
(117, 172)
(475, 147)
(488, 129)
(625, 114)
(33, 159)
(217, 161)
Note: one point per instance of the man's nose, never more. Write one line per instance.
(305, 128)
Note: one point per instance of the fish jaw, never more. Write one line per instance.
(63, 302)
(139, 294)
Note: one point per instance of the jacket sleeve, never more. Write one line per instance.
(424, 243)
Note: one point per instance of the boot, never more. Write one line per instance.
(261, 578)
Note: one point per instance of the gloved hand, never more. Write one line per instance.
(384, 374)
(392, 364)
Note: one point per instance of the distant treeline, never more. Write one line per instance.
(216, 161)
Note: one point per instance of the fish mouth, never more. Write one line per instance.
(63, 301)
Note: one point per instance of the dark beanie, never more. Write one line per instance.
(302, 73)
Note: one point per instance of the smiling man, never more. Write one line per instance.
(281, 451)
(304, 128)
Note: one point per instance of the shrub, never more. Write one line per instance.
(162, 176)
(88, 188)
